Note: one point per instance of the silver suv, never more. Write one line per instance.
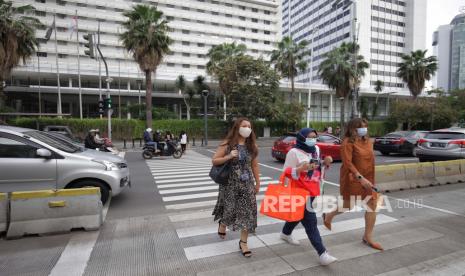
(444, 144)
(36, 160)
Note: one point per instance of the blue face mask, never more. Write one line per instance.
(311, 142)
(363, 131)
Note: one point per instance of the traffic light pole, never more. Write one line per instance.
(108, 81)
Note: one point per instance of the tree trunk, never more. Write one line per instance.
(148, 99)
(188, 113)
(342, 117)
(292, 89)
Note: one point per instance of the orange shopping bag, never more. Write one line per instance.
(285, 202)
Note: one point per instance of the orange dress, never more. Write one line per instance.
(357, 158)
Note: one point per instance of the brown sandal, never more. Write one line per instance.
(221, 234)
(327, 225)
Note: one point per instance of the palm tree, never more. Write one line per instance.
(146, 36)
(221, 56)
(289, 59)
(379, 85)
(17, 39)
(181, 86)
(416, 69)
(337, 71)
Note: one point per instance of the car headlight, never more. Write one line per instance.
(109, 166)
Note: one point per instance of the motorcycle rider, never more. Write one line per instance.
(148, 139)
(158, 139)
(90, 142)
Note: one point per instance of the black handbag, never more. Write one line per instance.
(220, 174)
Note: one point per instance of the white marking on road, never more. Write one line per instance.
(206, 170)
(73, 260)
(400, 160)
(175, 180)
(203, 188)
(178, 169)
(198, 204)
(413, 203)
(179, 175)
(226, 247)
(185, 184)
(194, 196)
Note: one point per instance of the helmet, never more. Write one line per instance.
(149, 130)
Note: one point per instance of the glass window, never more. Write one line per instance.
(10, 148)
(254, 10)
(327, 139)
(255, 20)
(185, 43)
(186, 66)
(445, 135)
(186, 54)
(52, 141)
(200, 44)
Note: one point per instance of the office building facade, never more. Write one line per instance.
(195, 26)
(385, 30)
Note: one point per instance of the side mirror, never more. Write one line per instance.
(45, 153)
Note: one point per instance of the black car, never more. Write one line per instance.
(399, 142)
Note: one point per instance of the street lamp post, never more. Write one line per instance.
(205, 97)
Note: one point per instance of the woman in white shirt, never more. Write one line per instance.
(303, 166)
(183, 138)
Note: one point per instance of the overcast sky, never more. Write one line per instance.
(440, 12)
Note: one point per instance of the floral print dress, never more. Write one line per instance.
(236, 206)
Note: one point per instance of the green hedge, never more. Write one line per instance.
(128, 129)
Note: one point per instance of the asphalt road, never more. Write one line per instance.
(163, 226)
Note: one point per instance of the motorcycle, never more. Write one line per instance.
(169, 148)
(108, 147)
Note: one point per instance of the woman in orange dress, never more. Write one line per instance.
(357, 177)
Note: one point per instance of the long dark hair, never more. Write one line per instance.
(351, 129)
(232, 138)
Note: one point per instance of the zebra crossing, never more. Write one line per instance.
(189, 196)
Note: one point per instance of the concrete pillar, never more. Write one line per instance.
(129, 86)
(331, 107)
(70, 81)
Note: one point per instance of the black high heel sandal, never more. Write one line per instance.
(246, 254)
(221, 234)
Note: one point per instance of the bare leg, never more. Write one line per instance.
(243, 243)
(328, 217)
(370, 220)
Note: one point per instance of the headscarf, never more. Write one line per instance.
(301, 137)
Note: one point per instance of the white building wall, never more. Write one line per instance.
(196, 26)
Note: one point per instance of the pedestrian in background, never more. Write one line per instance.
(168, 136)
(303, 166)
(357, 177)
(337, 132)
(236, 207)
(183, 140)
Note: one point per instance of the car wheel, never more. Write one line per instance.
(104, 190)
(385, 153)
(177, 154)
(146, 154)
(422, 160)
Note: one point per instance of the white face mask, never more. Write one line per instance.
(245, 131)
(363, 131)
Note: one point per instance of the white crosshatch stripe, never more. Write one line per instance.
(194, 179)
(190, 205)
(203, 188)
(194, 196)
(185, 171)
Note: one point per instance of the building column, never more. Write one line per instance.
(70, 81)
(129, 86)
(331, 107)
(300, 97)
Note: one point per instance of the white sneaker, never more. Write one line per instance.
(290, 239)
(326, 259)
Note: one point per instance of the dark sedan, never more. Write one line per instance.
(404, 142)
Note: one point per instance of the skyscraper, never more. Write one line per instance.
(449, 47)
(384, 29)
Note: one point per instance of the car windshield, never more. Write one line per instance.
(445, 135)
(289, 139)
(52, 141)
